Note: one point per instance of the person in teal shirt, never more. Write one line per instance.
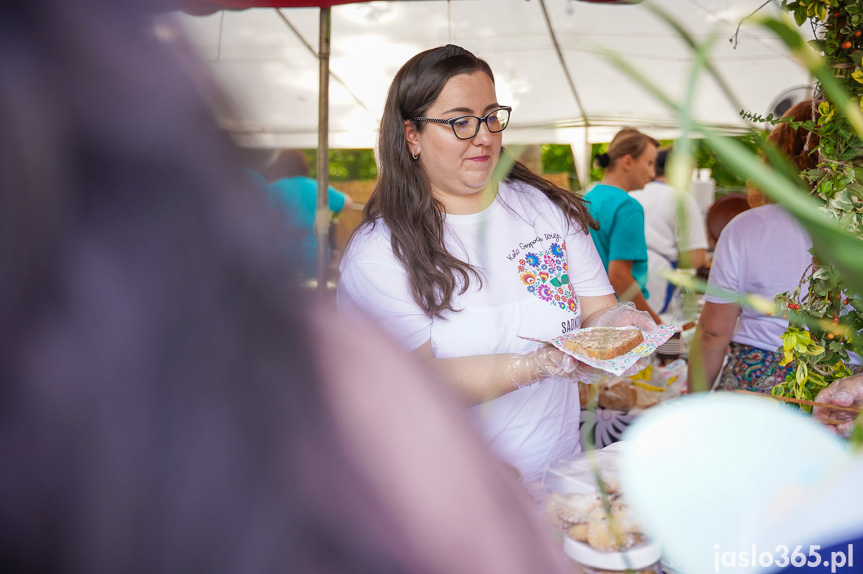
(629, 165)
(292, 190)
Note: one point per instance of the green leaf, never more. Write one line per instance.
(799, 14)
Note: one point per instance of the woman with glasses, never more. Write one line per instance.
(461, 267)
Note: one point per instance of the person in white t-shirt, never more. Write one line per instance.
(462, 267)
(744, 263)
(674, 230)
(762, 251)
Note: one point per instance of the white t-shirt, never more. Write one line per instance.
(672, 223)
(534, 266)
(765, 251)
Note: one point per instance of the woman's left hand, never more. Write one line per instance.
(626, 315)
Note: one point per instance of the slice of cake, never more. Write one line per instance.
(604, 342)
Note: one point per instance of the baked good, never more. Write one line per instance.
(617, 393)
(586, 394)
(604, 342)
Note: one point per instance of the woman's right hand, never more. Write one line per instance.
(847, 392)
(547, 362)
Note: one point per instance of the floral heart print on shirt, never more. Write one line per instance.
(545, 274)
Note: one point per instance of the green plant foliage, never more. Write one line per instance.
(346, 164)
(817, 366)
(557, 158)
(724, 173)
(825, 303)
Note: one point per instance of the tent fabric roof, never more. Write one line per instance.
(547, 56)
(206, 7)
(213, 5)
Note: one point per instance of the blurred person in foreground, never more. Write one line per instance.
(296, 195)
(673, 230)
(169, 401)
(629, 165)
(762, 251)
(460, 265)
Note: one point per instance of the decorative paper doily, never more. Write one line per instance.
(618, 365)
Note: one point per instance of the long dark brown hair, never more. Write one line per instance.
(799, 144)
(403, 199)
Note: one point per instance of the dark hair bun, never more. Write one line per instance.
(602, 159)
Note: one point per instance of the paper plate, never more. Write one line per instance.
(639, 557)
(618, 365)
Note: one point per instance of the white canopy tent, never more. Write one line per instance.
(546, 55)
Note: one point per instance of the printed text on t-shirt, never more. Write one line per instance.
(516, 252)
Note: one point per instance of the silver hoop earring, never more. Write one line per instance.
(415, 156)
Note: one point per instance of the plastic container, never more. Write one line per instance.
(571, 491)
(642, 559)
(577, 473)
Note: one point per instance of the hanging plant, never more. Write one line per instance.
(825, 316)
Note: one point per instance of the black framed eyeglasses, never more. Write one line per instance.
(466, 127)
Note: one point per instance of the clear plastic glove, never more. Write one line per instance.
(547, 362)
(847, 392)
(638, 366)
(626, 315)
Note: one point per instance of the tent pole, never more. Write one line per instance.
(586, 160)
(322, 218)
(581, 154)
